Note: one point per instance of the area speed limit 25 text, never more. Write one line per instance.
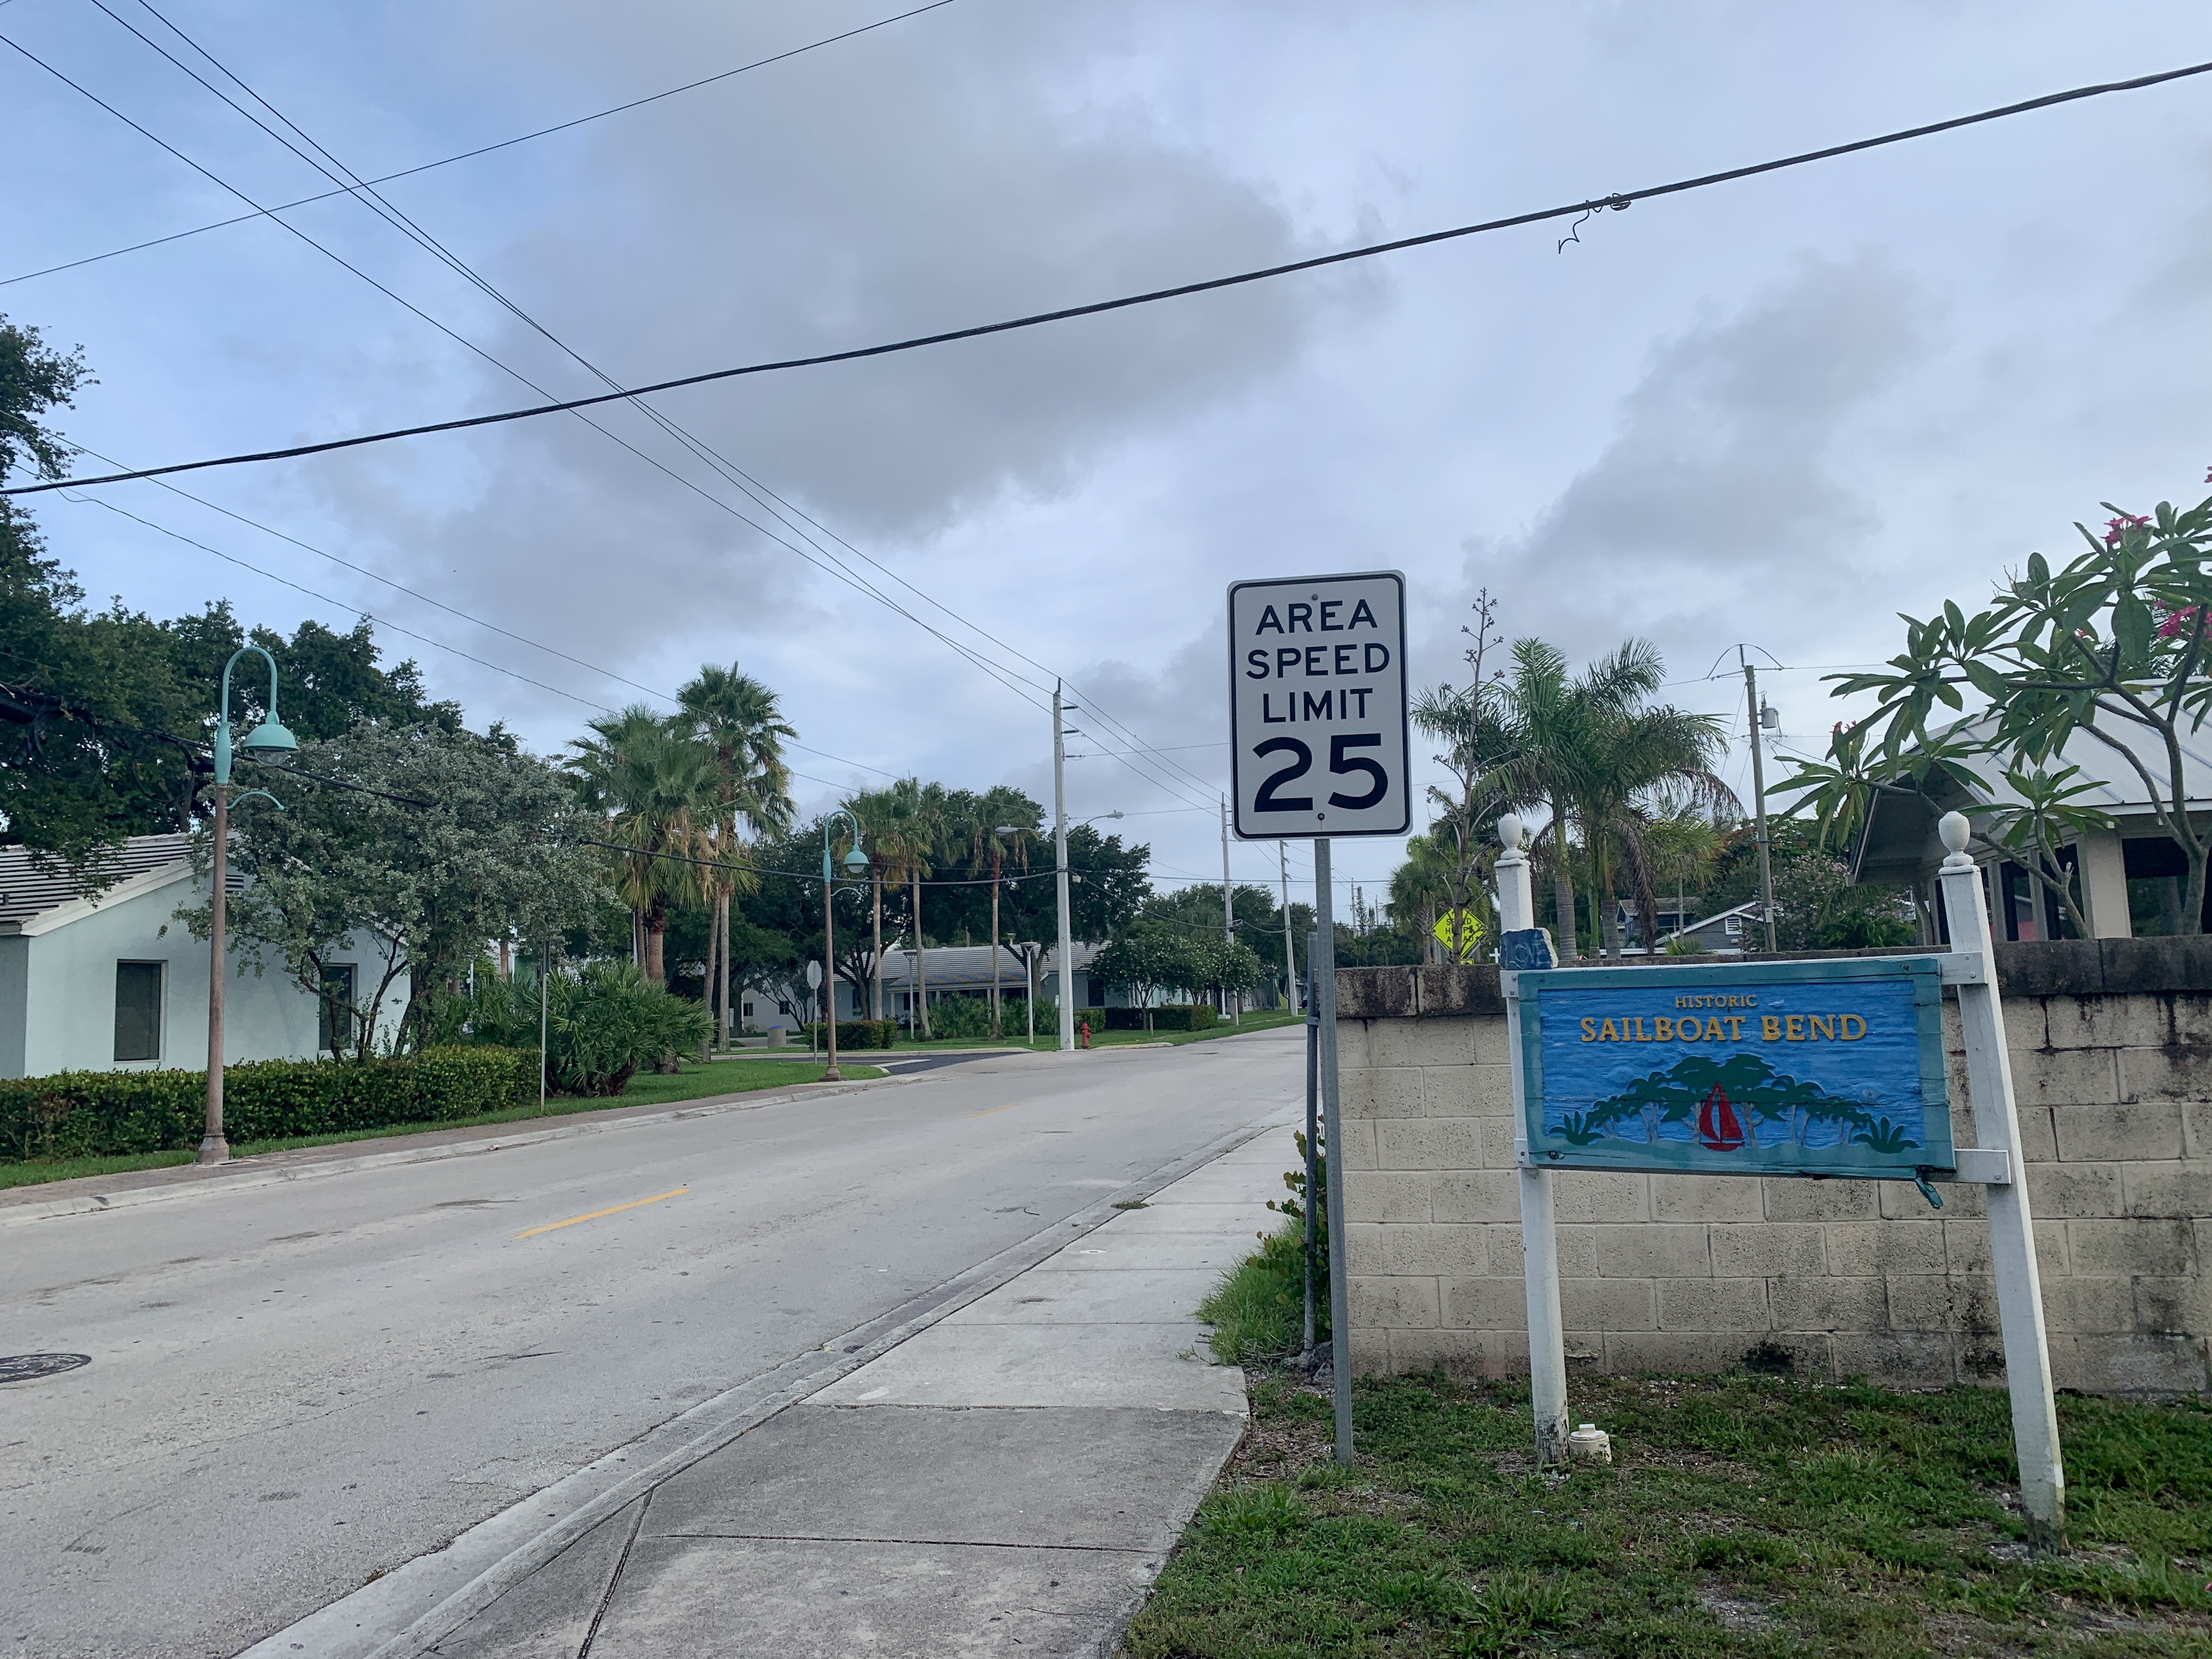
(1317, 706)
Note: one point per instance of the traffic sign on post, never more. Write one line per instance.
(1317, 749)
(1317, 707)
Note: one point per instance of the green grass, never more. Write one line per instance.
(694, 1082)
(69, 1168)
(1743, 1516)
(1049, 1041)
(1258, 1310)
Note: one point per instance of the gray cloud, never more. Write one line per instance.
(1724, 473)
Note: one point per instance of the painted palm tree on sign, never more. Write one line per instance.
(740, 721)
(1005, 822)
(656, 787)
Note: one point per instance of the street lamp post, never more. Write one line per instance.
(1062, 876)
(269, 738)
(855, 862)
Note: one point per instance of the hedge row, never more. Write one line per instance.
(856, 1033)
(94, 1114)
(1175, 1017)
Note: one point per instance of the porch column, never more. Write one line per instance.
(2104, 884)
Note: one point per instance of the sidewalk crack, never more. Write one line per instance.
(614, 1581)
(841, 1538)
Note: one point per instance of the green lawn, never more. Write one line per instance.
(1048, 1040)
(694, 1082)
(1743, 1515)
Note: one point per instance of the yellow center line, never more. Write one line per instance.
(995, 1110)
(637, 1203)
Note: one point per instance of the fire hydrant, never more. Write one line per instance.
(1084, 1031)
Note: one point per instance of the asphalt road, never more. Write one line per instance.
(296, 1389)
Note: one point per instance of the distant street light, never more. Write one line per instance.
(1061, 876)
(856, 865)
(269, 738)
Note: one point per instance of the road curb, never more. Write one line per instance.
(191, 1184)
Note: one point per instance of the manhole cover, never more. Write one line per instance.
(22, 1367)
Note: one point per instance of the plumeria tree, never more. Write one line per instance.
(2106, 655)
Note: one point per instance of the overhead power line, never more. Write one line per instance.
(1620, 200)
(795, 519)
(483, 150)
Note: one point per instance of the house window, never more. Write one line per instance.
(138, 1010)
(334, 1008)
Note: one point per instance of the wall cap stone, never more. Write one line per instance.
(2107, 967)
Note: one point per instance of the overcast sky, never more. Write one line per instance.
(1775, 412)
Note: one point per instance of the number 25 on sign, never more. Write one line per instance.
(1317, 706)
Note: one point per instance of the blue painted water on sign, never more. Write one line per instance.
(1766, 1072)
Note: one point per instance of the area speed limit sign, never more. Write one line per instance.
(1317, 706)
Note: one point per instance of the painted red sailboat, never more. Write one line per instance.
(1717, 1128)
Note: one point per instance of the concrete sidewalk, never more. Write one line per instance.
(1008, 1480)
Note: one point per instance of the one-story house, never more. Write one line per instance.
(962, 971)
(1721, 933)
(103, 977)
(2131, 875)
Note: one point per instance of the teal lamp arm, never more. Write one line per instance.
(269, 738)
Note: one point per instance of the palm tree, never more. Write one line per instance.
(1521, 738)
(909, 842)
(1682, 843)
(739, 718)
(656, 785)
(1588, 748)
(873, 808)
(1631, 756)
(1006, 820)
(1420, 889)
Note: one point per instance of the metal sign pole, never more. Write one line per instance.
(1322, 958)
(2012, 1232)
(1313, 1147)
(1539, 1251)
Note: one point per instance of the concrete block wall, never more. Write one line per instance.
(1849, 1278)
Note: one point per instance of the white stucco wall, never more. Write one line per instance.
(57, 988)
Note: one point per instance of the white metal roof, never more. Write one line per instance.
(33, 886)
(968, 967)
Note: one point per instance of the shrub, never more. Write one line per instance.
(961, 1018)
(601, 1024)
(857, 1033)
(1173, 1017)
(102, 1114)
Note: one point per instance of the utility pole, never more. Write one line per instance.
(545, 975)
(1290, 956)
(1228, 901)
(1059, 859)
(1759, 797)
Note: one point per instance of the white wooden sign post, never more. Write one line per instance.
(1539, 1243)
(1318, 749)
(1820, 1069)
(2012, 1231)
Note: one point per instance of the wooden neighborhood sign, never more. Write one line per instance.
(1809, 1068)
(1831, 1067)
